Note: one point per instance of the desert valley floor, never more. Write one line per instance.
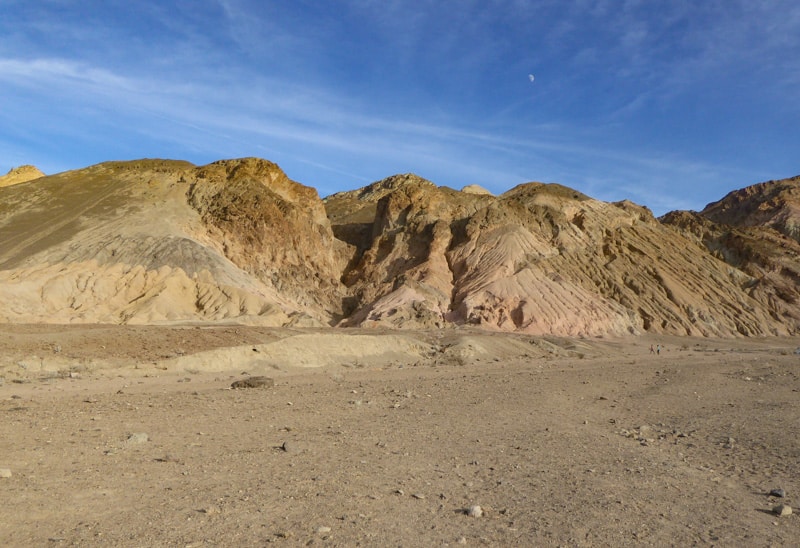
(132, 436)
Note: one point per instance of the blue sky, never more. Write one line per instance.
(668, 103)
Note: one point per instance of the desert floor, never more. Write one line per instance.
(132, 436)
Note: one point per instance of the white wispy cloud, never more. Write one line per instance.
(245, 119)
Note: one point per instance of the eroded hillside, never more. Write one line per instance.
(153, 241)
(538, 259)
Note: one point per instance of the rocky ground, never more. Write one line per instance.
(131, 436)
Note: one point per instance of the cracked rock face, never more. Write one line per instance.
(155, 241)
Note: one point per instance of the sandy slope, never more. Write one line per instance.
(592, 442)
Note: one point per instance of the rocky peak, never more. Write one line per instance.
(774, 204)
(21, 174)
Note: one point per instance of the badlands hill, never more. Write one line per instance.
(156, 241)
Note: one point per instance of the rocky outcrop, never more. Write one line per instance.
(400, 230)
(21, 174)
(274, 229)
(773, 204)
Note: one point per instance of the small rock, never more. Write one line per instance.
(782, 510)
(5, 473)
(475, 511)
(418, 496)
(211, 510)
(462, 540)
(287, 447)
(137, 438)
(729, 443)
(322, 530)
(777, 493)
(254, 382)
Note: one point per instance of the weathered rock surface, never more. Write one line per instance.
(155, 241)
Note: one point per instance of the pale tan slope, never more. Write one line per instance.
(125, 242)
(540, 259)
(21, 174)
(577, 266)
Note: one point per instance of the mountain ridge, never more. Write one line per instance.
(154, 241)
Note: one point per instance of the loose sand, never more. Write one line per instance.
(388, 438)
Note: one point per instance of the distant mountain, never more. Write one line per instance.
(155, 241)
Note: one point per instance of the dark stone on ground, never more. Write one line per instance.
(254, 382)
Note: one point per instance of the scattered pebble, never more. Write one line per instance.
(323, 530)
(475, 511)
(777, 493)
(211, 510)
(5, 473)
(782, 510)
(729, 443)
(418, 496)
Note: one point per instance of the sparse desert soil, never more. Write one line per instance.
(569, 443)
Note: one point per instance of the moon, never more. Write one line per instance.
(531, 78)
